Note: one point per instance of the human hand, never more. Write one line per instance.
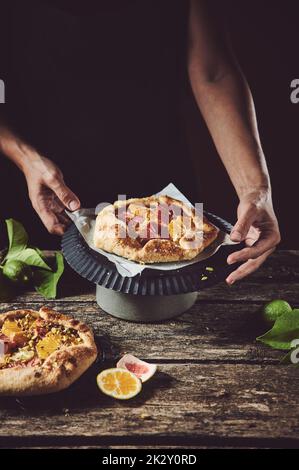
(49, 194)
(258, 227)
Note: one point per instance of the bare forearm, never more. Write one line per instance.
(225, 101)
(14, 148)
(224, 98)
(47, 190)
(228, 109)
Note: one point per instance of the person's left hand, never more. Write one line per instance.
(258, 227)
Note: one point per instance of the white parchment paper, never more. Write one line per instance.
(84, 219)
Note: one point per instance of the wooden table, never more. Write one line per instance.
(216, 387)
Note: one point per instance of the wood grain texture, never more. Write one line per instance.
(278, 277)
(245, 291)
(207, 332)
(216, 387)
(183, 400)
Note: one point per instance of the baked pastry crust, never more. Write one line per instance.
(60, 368)
(186, 236)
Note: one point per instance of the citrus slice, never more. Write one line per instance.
(141, 369)
(119, 383)
(48, 345)
(11, 329)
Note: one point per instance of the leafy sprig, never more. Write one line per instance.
(283, 334)
(44, 278)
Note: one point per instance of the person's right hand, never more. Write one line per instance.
(49, 194)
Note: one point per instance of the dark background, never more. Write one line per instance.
(265, 37)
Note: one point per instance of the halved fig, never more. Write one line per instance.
(143, 370)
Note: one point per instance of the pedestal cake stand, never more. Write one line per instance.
(154, 295)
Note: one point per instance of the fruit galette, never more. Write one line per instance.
(42, 351)
(153, 230)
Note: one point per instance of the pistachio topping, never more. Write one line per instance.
(32, 337)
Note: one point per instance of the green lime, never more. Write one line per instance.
(17, 271)
(273, 310)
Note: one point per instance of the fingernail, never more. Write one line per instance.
(230, 282)
(73, 205)
(236, 236)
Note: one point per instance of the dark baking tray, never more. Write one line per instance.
(96, 268)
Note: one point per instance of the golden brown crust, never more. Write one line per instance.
(110, 229)
(60, 369)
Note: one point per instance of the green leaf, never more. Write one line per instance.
(31, 257)
(17, 237)
(40, 252)
(284, 331)
(45, 282)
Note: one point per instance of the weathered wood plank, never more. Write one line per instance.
(207, 332)
(253, 292)
(190, 401)
(278, 277)
(242, 291)
(216, 386)
(281, 265)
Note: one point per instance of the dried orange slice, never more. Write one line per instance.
(119, 383)
(11, 329)
(48, 345)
